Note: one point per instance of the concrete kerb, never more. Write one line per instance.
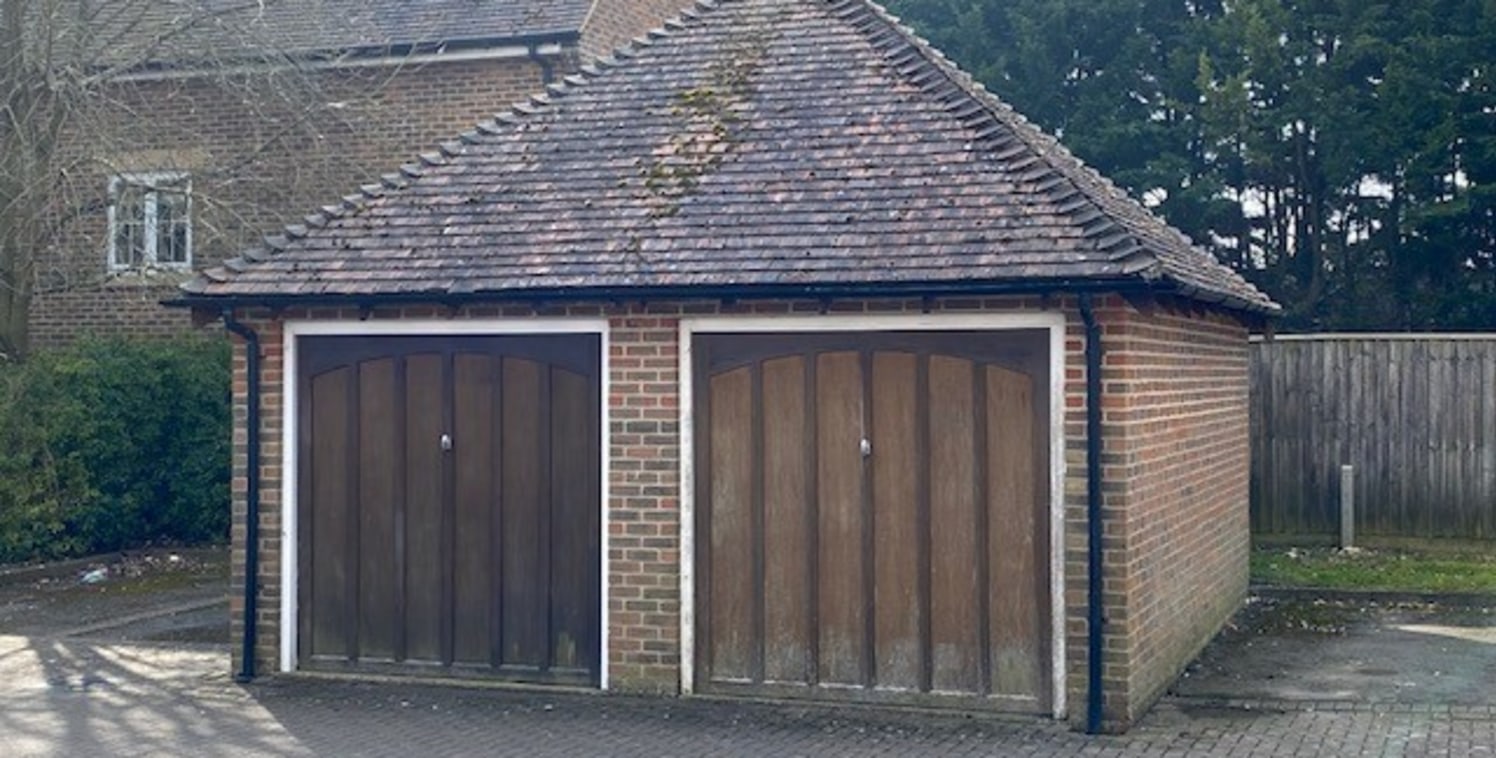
(24, 571)
(1378, 597)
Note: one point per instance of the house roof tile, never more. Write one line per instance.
(754, 145)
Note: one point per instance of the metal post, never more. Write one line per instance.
(1347, 507)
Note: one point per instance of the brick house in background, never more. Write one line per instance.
(775, 358)
(219, 152)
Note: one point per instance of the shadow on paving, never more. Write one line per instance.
(67, 697)
(1301, 650)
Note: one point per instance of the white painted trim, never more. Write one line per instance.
(1379, 337)
(1057, 473)
(151, 182)
(292, 330)
(857, 322)
(1052, 321)
(605, 444)
(687, 527)
(506, 52)
(289, 475)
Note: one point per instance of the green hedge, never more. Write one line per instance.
(112, 444)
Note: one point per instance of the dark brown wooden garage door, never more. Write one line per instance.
(872, 516)
(449, 506)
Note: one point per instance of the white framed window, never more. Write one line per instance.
(150, 221)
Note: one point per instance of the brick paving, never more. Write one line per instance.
(68, 696)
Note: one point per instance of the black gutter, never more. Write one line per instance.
(1094, 616)
(738, 292)
(251, 494)
(366, 52)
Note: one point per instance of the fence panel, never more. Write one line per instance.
(1415, 414)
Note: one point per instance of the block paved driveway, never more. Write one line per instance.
(79, 696)
(106, 674)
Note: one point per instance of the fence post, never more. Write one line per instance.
(1347, 507)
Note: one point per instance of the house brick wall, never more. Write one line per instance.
(613, 23)
(1175, 452)
(257, 162)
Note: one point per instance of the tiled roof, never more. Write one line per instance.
(753, 145)
(223, 27)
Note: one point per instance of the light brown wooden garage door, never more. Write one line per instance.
(872, 517)
(449, 506)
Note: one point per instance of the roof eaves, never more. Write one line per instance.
(1091, 199)
(629, 293)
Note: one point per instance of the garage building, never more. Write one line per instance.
(772, 356)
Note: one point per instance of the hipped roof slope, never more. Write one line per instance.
(752, 146)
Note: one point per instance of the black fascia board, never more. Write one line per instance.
(539, 296)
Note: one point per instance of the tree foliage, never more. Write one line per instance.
(1339, 153)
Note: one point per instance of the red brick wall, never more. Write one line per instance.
(1177, 470)
(613, 23)
(1176, 498)
(256, 163)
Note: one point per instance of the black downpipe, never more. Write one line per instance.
(1094, 617)
(547, 68)
(251, 493)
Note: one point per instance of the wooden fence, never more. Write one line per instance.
(1414, 414)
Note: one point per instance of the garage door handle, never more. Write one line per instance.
(446, 442)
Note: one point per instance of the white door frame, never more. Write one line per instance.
(1052, 321)
(292, 330)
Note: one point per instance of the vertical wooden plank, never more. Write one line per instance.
(1015, 621)
(1254, 423)
(496, 526)
(955, 579)
(473, 483)
(524, 606)
(1486, 440)
(1372, 389)
(1486, 443)
(923, 546)
(379, 448)
(1422, 406)
(839, 487)
(1315, 463)
(895, 477)
(701, 453)
(448, 535)
(574, 518)
(401, 516)
(812, 519)
(331, 556)
(1389, 399)
(731, 438)
(1290, 502)
(869, 532)
(787, 629)
(352, 519)
(545, 521)
(759, 598)
(423, 507)
(307, 461)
